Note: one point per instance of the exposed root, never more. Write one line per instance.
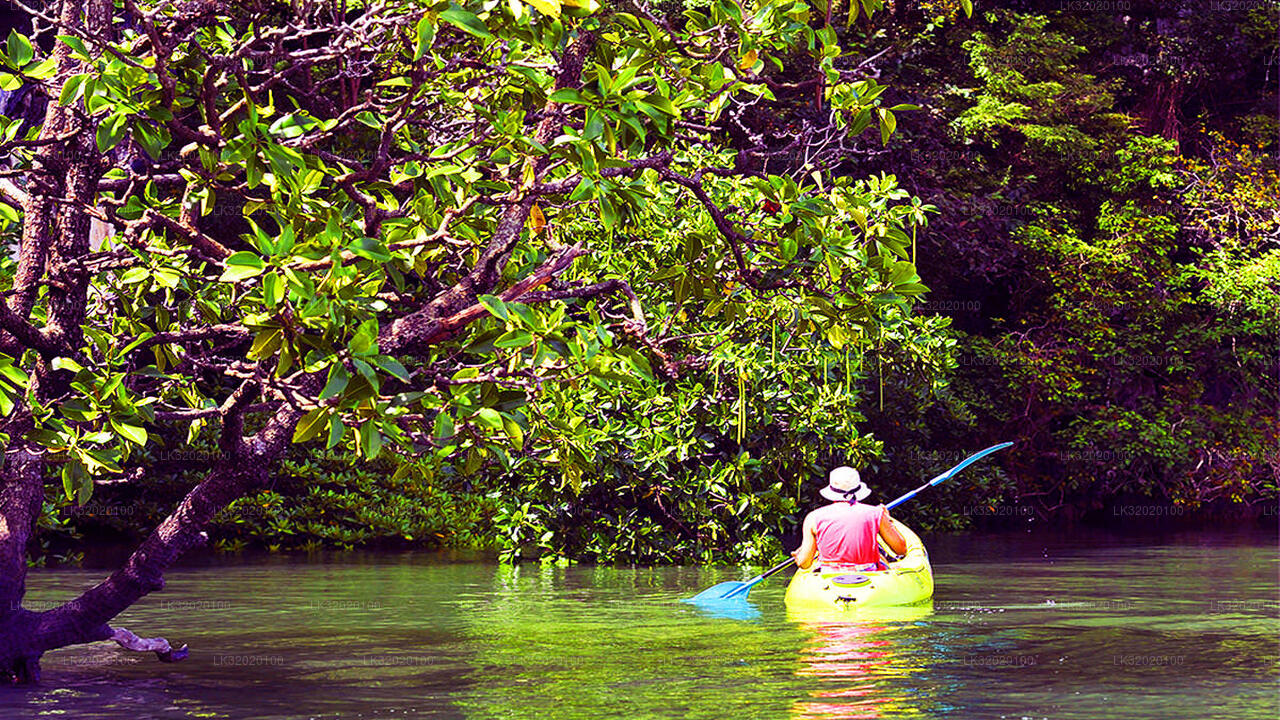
(159, 646)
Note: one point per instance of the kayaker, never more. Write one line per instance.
(844, 533)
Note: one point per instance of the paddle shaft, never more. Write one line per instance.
(949, 474)
(746, 586)
(778, 568)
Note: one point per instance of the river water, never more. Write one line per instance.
(1025, 625)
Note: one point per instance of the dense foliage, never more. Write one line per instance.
(1107, 185)
(1089, 193)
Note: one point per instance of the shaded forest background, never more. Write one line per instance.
(1103, 259)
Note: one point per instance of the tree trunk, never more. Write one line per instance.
(26, 635)
(21, 497)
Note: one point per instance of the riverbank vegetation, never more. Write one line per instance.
(770, 237)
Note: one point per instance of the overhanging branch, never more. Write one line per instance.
(422, 329)
(12, 193)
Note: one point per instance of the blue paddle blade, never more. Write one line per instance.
(735, 608)
(969, 461)
(741, 592)
(717, 592)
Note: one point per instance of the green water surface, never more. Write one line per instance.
(1022, 626)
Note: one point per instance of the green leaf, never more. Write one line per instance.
(547, 7)
(371, 249)
(365, 340)
(444, 427)
(135, 275)
(70, 477)
(98, 460)
(85, 490)
(608, 213)
(98, 438)
(272, 289)
(660, 102)
(515, 432)
(513, 339)
(152, 138)
(903, 272)
(568, 95)
(788, 247)
(836, 336)
(639, 364)
(336, 431)
(111, 131)
(668, 273)
(42, 70)
(253, 171)
(241, 266)
(72, 89)
(66, 363)
(393, 367)
(76, 44)
(572, 476)
(466, 21)
(337, 382)
(366, 371)
(525, 316)
(266, 343)
(370, 440)
(133, 433)
(489, 418)
(584, 191)
(310, 425)
(495, 306)
(888, 123)
(426, 36)
(14, 374)
(8, 214)
(20, 50)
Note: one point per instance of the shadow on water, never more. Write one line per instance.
(1022, 625)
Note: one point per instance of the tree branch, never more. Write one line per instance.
(421, 329)
(30, 336)
(13, 193)
(587, 291)
(736, 239)
(183, 337)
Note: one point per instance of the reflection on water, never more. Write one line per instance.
(855, 662)
(1047, 626)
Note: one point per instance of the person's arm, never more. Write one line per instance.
(892, 537)
(808, 544)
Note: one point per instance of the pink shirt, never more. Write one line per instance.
(847, 533)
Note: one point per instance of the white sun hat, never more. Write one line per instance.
(845, 485)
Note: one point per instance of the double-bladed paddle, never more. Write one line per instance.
(733, 590)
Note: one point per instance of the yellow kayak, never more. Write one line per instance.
(908, 581)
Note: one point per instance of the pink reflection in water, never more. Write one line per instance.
(857, 658)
